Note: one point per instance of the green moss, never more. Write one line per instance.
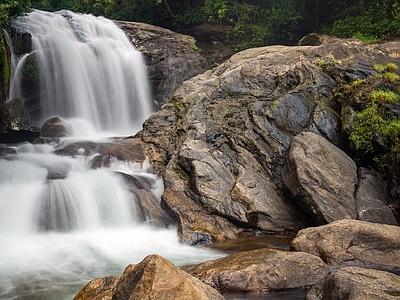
(358, 82)
(379, 68)
(382, 96)
(31, 68)
(390, 76)
(391, 67)
(320, 62)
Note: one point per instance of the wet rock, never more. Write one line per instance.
(353, 243)
(355, 284)
(172, 57)
(261, 271)
(152, 278)
(16, 124)
(321, 178)
(98, 289)
(147, 200)
(55, 127)
(372, 199)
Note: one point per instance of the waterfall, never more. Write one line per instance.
(86, 69)
(63, 223)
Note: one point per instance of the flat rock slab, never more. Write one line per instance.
(355, 283)
(261, 271)
(353, 243)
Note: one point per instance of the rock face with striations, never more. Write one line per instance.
(321, 177)
(221, 141)
(171, 57)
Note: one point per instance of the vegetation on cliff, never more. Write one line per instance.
(250, 23)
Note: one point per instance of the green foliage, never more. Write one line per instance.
(8, 9)
(372, 122)
(380, 21)
(264, 24)
(369, 122)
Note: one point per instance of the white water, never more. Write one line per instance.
(88, 70)
(62, 223)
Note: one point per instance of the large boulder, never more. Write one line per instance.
(152, 278)
(353, 243)
(321, 177)
(355, 283)
(261, 271)
(16, 124)
(221, 141)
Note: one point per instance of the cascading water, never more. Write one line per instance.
(63, 223)
(87, 69)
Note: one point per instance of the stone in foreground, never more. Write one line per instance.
(261, 271)
(353, 243)
(355, 283)
(153, 278)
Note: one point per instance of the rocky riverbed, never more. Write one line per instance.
(259, 145)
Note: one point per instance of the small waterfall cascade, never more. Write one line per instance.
(85, 68)
(63, 223)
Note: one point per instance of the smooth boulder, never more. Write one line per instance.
(355, 283)
(321, 177)
(353, 243)
(261, 271)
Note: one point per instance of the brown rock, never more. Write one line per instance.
(261, 271)
(98, 289)
(55, 127)
(356, 284)
(353, 243)
(157, 278)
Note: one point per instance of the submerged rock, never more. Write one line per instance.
(55, 127)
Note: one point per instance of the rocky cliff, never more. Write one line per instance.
(222, 142)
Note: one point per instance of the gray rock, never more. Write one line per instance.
(372, 199)
(261, 271)
(321, 178)
(172, 57)
(355, 283)
(353, 243)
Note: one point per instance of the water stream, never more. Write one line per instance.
(63, 223)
